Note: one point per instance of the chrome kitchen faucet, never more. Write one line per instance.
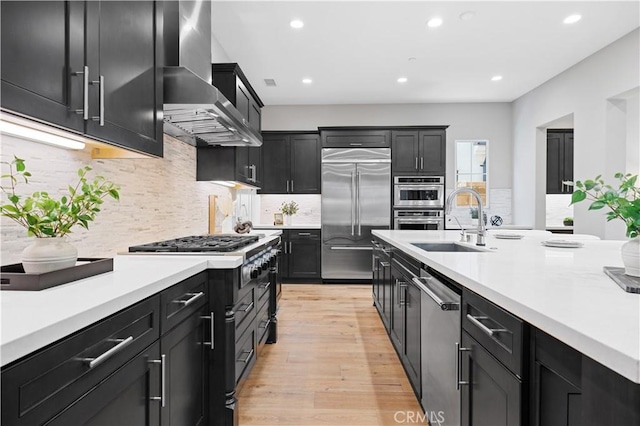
(481, 228)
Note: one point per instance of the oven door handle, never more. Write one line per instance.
(417, 220)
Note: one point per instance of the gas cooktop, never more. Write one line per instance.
(199, 243)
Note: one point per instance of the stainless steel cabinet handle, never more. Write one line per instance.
(489, 331)
(353, 203)
(163, 379)
(304, 234)
(287, 186)
(290, 247)
(264, 324)
(85, 92)
(253, 173)
(358, 204)
(291, 185)
(403, 292)
(416, 163)
(100, 118)
(459, 351)
(355, 144)
(211, 319)
(193, 298)
(248, 308)
(249, 355)
(421, 163)
(265, 286)
(122, 343)
(385, 264)
(285, 247)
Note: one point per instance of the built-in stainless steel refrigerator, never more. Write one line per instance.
(356, 198)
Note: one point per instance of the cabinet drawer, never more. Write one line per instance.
(42, 384)
(245, 353)
(263, 322)
(181, 300)
(356, 138)
(304, 234)
(263, 289)
(245, 311)
(500, 332)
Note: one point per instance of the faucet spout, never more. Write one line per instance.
(481, 228)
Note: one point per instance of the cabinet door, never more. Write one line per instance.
(568, 161)
(255, 115)
(347, 138)
(555, 163)
(405, 155)
(42, 47)
(186, 354)
(432, 151)
(283, 266)
(243, 99)
(131, 396)
(122, 48)
(387, 291)
(275, 164)
(242, 172)
(412, 335)
(397, 315)
(305, 164)
(304, 255)
(493, 395)
(255, 168)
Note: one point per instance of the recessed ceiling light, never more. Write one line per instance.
(402, 80)
(434, 22)
(496, 78)
(572, 19)
(412, 58)
(296, 23)
(469, 14)
(307, 81)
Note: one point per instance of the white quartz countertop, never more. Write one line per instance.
(33, 319)
(296, 226)
(562, 291)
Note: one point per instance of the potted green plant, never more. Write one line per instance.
(50, 219)
(567, 221)
(288, 210)
(623, 202)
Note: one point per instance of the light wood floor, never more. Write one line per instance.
(333, 364)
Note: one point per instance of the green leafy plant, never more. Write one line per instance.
(44, 216)
(289, 208)
(623, 201)
(568, 221)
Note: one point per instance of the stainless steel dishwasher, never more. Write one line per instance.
(440, 336)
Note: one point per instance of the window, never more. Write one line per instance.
(471, 170)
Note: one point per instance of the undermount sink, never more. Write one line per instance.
(448, 247)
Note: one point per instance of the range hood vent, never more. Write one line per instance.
(198, 113)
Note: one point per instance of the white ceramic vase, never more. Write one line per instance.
(631, 257)
(48, 254)
(288, 219)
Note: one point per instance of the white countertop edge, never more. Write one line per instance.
(295, 226)
(627, 365)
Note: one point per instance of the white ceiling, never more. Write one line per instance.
(355, 51)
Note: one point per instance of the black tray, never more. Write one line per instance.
(626, 282)
(13, 277)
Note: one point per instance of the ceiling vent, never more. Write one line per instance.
(270, 82)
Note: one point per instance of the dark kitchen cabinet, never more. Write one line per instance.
(382, 286)
(235, 86)
(556, 394)
(356, 137)
(492, 395)
(418, 151)
(91, 67)
(290, 163)
(301, 255)
(229, 163)
(559, 161)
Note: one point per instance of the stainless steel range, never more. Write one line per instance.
(199, 243)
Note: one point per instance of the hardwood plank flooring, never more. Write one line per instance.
(333, 364)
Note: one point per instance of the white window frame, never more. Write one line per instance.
(455, 171)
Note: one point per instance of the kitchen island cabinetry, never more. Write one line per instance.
(290, 163)
(418, 151)
(382, 284)
(112, 93)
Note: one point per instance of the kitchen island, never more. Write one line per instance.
(558, 292)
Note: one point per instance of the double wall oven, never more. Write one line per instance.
(418, 202)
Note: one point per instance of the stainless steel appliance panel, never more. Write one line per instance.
(418, 191)
(440, 334)
(418, 220)
(353, 184)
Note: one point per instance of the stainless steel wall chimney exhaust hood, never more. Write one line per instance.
(197, 113)
(194, 110)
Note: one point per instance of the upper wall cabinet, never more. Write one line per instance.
(418, 151)
(290, 163)
(342, 137)
(113, 93)
(233, 84)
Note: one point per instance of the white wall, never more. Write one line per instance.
(583, 90)
(159, 199)
(490, 121)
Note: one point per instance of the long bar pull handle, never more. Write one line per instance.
(163, 379)
(290, 247)
(416, 163)
(193, 298)
(403, 292)
(212, 334)
(248, 308)
(100, 118)
(304, 234)
(122, 343)
(489, 331)
(249, 355)
(359, 175)
(85, 92)
(459, 351)
(430, 293)
(287, 186)
(291, 185)
(353, 193)
(385, 264)
(421, 163)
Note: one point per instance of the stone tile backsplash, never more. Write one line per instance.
(308, 214)
(159, 199)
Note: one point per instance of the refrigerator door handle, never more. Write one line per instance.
(353, 190)
(358, 203)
